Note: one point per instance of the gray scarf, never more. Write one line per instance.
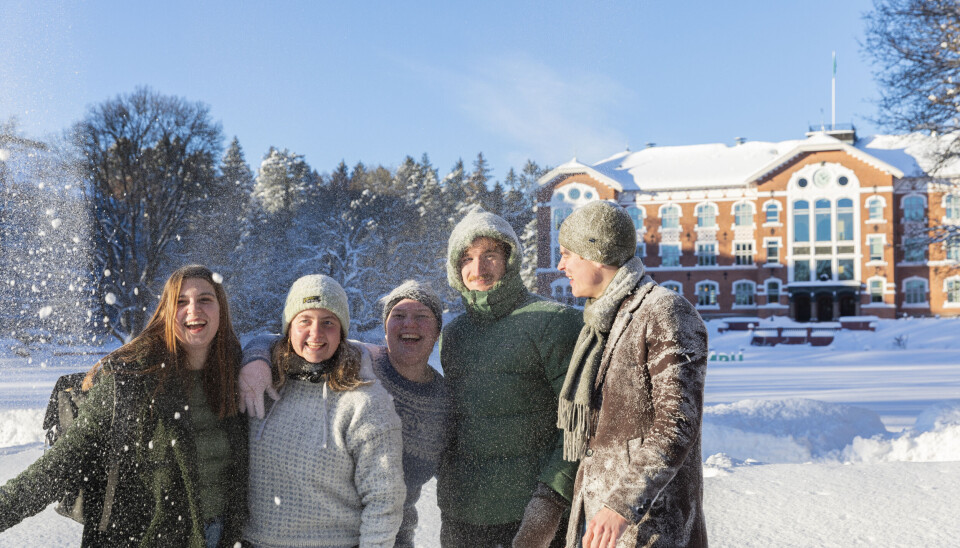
(573, 415)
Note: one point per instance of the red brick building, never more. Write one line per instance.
(813, 229)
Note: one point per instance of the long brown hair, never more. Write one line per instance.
(344, 376)
(158, 343)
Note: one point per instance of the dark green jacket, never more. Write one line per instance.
(153, 447)
(504, 361)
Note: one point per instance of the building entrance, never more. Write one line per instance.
(824, 307)
(801, 307)
(848, 304)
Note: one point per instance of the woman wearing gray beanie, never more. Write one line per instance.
(326, 461)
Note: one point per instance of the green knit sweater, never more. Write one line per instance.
(504, 361)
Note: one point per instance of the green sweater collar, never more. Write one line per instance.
(496, 303)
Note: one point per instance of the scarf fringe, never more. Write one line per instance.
(573, 419)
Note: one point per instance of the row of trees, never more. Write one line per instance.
(147, 190)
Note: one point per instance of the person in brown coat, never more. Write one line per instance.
(632, 403)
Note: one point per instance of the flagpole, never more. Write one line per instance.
(833, 93)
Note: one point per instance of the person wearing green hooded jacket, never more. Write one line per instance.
(502, 480)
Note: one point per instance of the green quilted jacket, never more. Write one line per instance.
(156, 503)
(504, 362)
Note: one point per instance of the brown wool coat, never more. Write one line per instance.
(643, 459)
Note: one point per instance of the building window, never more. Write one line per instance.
(670, 255)
(801, 271)
(844, 220)
(641, 249)
(824, 269)
(707, 294)
(636, 215)
(913, 250)
(773, 251)
(951, 206)
(559, 214)
(670, 217)
(673, 286)
(707, 254)
(822, 222)
(913, 208)
(844, 269)
(743, 252)
(706, 216)
(773, 212)
(743, 214)
(773, 292)
(875, 208)
(801, 221)
(744, 293)
(953, 250)
(876, 290)
(952, 289)
(915, 292)
(876, 248)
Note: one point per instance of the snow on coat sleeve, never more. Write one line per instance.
(676, 363)
(57, 470)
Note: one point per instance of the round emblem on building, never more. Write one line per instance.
(821, 178)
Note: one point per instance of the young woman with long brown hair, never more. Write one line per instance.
(161, 451)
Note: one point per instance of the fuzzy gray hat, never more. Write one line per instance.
(317, 291)
(478, 223)
(420, 292)
(600, 232)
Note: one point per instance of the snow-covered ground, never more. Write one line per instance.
(852, 444)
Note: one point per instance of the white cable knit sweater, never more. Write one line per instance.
(333, 483)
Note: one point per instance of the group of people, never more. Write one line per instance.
(548, 428)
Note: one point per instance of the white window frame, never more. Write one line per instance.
(716, 295)
(753, 253)
(903, 207)
(716, 214)
(679, 254)
(679, 285)
(883, 207)
(753, 292)
(766, 248)
(779, 208)
(883, 245)
(947, 303)
(663, 208)
(766, 290)
(716, 252)
(753, 213)
(947, 219)
(925, 303)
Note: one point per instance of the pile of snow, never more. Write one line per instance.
(21, 427)
(800, 430)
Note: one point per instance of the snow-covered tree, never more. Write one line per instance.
(147, 160)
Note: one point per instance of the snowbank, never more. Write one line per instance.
(21, 427)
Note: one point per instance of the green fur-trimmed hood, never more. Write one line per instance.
(476, 224)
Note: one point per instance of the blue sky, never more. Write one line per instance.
(376, 81)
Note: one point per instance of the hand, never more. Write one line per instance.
(540, 519)
(254, 380)
(605, 529)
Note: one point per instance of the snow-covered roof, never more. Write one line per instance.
(719, 165)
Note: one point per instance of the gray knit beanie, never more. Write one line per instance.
(476, 224)
(317, 291)
(600, 232)
(420, 292)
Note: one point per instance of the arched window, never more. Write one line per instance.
(801, 221)
(706, 215)
(915, 291)
(875, 208)
(952, 289)
(875, 287)
(951, 207)
(743, 292)
(773, 291)
(822, 222)
(844, 220)
(670, 217)
(772, 211)
(913, 207)
(636, 215)
(743, 214)
(707, 294)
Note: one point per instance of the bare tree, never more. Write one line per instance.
(915, 45)
(146, 160)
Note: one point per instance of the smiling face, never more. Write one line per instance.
(483, 264)
(412, 331)
(197, 318)
(315, 334)
(587, 278)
